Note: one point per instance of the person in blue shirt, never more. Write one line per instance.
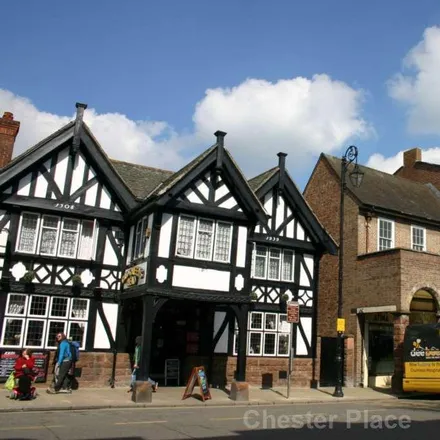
(64, 363)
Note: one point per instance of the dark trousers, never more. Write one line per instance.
(62, 375)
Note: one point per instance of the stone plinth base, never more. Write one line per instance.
(239, 391)
(142, 392)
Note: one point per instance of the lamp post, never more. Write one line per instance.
(356, 177)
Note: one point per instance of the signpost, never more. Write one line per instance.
(293, 319)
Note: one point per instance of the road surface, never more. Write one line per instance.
(396, 419)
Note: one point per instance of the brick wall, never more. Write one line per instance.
(96, 370)
(8, 132)
(266, 371)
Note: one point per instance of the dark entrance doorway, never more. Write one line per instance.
(328, 369)
(182, 330)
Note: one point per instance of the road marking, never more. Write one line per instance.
(227, 418)
(141, 423)
(20, 428)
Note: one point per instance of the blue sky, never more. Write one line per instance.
(145, 68)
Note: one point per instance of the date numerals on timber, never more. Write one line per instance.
(64, 206)
(272, 239)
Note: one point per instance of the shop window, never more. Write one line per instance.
(34, 320)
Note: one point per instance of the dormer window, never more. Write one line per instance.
(204, 239)
(418, 238)
(54, 236)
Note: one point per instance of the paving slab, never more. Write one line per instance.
(104, 398)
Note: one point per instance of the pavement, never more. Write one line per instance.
(104, 398)
(345, 420)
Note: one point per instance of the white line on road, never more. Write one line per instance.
(19, 428)
(144, 422)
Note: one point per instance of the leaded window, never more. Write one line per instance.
(273, 263)
(55, 236)
(28, 233)
(34, 320)
(204, 239)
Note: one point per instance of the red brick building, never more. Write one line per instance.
(391, 259)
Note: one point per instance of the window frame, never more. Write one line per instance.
(5, 321)
(194, 231)
(267, 261)
(48, 300)
(49, 321)
(40, 234)
(280, 262)
(76, 321)
(20, 230)
(392, 245)
(60, 229)
(25, 308)
(413, 227)
(26, 330)
(196, 241)
(231, 231)
(263, 331)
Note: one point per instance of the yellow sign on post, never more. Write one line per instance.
(340, 326)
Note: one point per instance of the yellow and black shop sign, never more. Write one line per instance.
(133, 276)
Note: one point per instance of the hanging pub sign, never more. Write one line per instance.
(198, 376)
(134, 276)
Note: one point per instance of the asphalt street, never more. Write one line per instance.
(388, 420)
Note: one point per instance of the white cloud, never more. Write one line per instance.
(393, 163)
(387, 164)
(300, 116)
(419, 89)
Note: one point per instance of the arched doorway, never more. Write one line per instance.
(423, 308)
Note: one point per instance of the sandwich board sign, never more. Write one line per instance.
(198, 376)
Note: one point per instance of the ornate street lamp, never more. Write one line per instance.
(356, 176)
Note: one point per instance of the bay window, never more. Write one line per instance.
(34, 320)
(55, 236)
(204, 239)
(272, 264)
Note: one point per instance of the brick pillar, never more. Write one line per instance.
(401, 322)
(349, 353)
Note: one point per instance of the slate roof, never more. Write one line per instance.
(393, 193)
(258, 181)
(140, 179)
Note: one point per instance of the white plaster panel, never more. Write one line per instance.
(300, 235)
(165, 236)
(24, 185)
(111, 313)
(220, 192)
(301, 348)
(110, 256)
(280, 212)
(193, 197)
(91, 195)
(106, 199)
(78, 174)
(268, 207)
(203, 188)
(241, 246)
(197, 278)
(61, 169)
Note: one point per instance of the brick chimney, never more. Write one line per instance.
(8, 132)
(410, 157)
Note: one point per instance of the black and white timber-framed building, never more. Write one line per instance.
(199, 261)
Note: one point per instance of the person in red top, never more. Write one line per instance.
(25, 372)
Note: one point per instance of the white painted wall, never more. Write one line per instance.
(241, 246)
(61, 168)
(111, 312)
(196, 278)
(110, 256)
(78, 173)
(165, 236)
(301, 348)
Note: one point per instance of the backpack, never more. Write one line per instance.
(74, 350)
